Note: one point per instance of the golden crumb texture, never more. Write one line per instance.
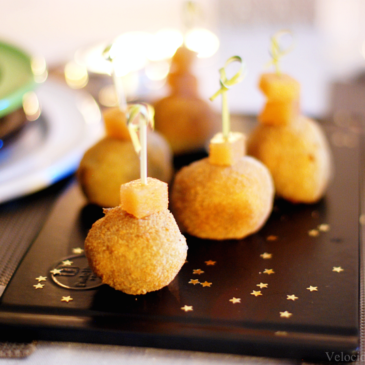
(222, 202)
(298, 157)
(133, 255)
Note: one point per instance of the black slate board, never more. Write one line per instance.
(322, 323)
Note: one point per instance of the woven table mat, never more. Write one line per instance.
(16, 350)
(20, 221)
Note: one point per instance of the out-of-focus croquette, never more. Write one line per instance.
(298, 157)
(187, 122)
(222, 202)
(113, 162)
(133, 255)
(182, 117)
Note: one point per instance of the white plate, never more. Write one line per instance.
(50, 148)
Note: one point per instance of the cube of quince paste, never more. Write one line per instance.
(115, 123)
(279, 87)
(227, 151)
(279, 112)
(141, 199)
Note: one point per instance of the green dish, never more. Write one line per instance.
(16, 77)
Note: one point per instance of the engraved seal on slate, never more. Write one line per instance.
(73, 272)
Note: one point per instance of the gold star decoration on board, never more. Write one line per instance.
(362, 219)
(271, 238)
(39, 286)
(285, 314)
(206, 284)
(256, 293)
(269, 271)
(56, 271)
(291, 297)
(315, 214)
(67, 263)
(313, 233)
(235, 300)
(198, 271)
(338, 269)
(324, 227)
(41, 278)
(194, 281)
(266, 255)
(281, 333)
(187, 308)
(66, 299)
(210, 263)
(77, 250)
(312, 288)
(262, 285)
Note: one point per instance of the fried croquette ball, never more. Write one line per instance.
(134, 255)
(182, 117)
(298, 157)
(112, 162)
(186, 122)
(222, 202)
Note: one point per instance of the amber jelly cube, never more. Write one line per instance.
(141, 199)
(279, 87)
(227, 151)
(115, 123)
(279, 113)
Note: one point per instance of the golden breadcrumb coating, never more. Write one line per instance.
(113, 162)
(133, 255)
(298, 157)
(222, 202)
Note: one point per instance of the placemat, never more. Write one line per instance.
(16, 350)
(21, 219)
